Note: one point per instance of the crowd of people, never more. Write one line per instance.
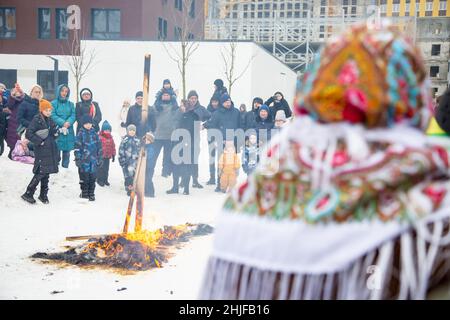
(44, 134)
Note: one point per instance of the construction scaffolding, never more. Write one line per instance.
(292, 30)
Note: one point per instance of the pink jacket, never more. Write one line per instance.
(19, 154)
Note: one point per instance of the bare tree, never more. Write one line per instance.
(79, 59)
(182, 52)
(229, 64)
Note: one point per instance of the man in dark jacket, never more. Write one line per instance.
(250, 116)
(164, 111)
(227, 120)
(203, 115)
(443, 111)
(219, 88)
(264, 125)
(277, 102)
(134, 117)
(89, 107)
(42, 132)
(213, 106)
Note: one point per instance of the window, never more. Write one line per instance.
(179, 5)
(322, 11)
(192, 10)
(353, 10)
(177, 33)
(344, 2)
(105, 23)
(191, 36)
(45, 78)
(434, 71)
(429, 6)
(61, 24)
(162, 29)
(396, 8)
(44, 23)
(435, 49)
(9, 77)
(7, 23)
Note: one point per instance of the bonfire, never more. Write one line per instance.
(136, 251)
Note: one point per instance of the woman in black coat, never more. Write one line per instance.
(277, 102)
(89, 107)
(42, 132)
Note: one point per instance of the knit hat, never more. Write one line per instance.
(106, 126)
(215, 97)
(131, 127)
(280, 116)
(83, 91)
(373, 76)
(192, 93)
(166, 81)
(218, 83)
(139, 94)
(264, 107)
(86, 119)
(257, 99)
(44, 105)
(224, 98)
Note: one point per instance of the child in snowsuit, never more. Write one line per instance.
(22, 153)
(250, 156)
(128, 156)
(228, 167)
(42, 132)
(109, 152)
(88, 157)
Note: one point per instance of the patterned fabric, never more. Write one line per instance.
(128, 155)
(108, 146)
(369, 76)
(88, 150)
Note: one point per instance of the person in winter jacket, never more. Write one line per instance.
(42, 132)
(229, 165)
(203, 115)
(144, 129)
(4, 95)
(250, 116)
(213, 106)
(88, 107)
(22, 153)
(226, 119)
(250, 156)
(164, 110)
(11, 110)
(264, 125)
(166, 88)
(190, 116)
(280, 119)
(128, 156)
(108, 153)
(88, 157)
(219, 88)
(64, 116)
(29, 108)
(443, 111)
(277, 102)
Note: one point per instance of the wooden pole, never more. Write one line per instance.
(140, 176)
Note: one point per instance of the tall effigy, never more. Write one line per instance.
(352, 199)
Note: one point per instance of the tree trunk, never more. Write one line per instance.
(183, 75)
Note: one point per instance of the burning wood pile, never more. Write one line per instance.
(135, 251)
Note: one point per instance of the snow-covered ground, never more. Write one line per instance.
(26, 229)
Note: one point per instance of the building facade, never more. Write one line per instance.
(419, 8)
(39, 27)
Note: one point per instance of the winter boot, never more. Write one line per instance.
(28, 195)
(107, 183)
(100, 183)
(44, 190)
(195, 184)
(211, 181)
(84, 185)
(91, 187)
